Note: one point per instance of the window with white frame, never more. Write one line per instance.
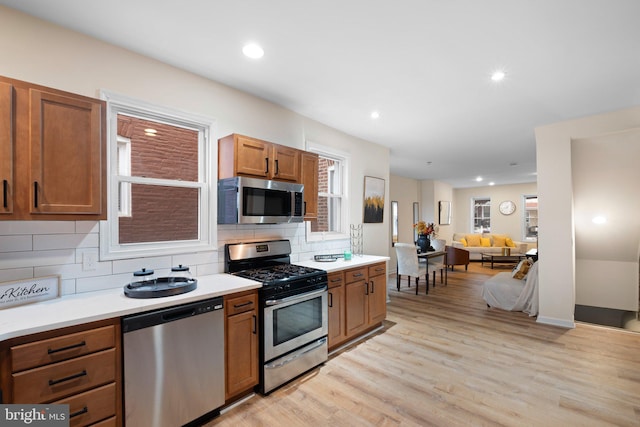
(332, 196)
(530, 217)
(481, 215)
(159, 181)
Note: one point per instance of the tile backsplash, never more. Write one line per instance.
(42, 248)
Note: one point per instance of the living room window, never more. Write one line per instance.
(159, 189)
(332, 196)
(481, 215)
(530, 217)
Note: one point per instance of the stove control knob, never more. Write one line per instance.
(287, 286)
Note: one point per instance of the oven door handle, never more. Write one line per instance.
(271, 302)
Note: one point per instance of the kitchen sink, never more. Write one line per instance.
(160, 287)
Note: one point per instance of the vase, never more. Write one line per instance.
(424, 243)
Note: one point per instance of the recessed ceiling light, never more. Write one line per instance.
(375, 115)
(479, 179)
(253, 51)
(492, 183)
(498, 75)
(599, 220)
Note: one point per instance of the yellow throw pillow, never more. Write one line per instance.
(499, 241)
(473, 239)
(521, 270)
(464, 242)
(485, 242)
(510, 243)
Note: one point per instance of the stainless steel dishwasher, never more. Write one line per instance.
(174, 364)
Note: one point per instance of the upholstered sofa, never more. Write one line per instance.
(477, 244)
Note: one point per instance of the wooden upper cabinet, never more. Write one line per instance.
(310, 181)
(66, 154)
(6, 147)
(240, 155)
(53, 147)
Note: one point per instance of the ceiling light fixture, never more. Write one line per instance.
(253, 51)
(479, 179)
(375, 115)
(498, 75)
(492, 183)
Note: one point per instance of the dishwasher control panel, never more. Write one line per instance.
(170, 314)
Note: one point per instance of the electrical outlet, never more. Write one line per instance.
(89, 261)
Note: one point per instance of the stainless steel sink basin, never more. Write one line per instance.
(160, 287)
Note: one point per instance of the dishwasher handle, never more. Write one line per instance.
(170, 314)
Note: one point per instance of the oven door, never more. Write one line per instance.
(292, 322)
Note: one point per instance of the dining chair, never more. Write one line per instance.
(408, 265)
(437, 263)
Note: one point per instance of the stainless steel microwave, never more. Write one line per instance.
(244, 200)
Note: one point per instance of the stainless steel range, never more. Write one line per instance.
(293, 309)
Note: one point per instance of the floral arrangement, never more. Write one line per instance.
(424, 228)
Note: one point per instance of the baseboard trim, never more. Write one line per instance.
(562, 323)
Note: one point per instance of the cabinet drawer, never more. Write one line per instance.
(62, 379)
(355, 275)
(91, 406)
(61, 348)
(377, 269)
(241, 304)
(335, 279)
(109, 422)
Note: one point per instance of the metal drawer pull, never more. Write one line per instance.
(69, 378)
(277, 168)
(358, 275)
(339, 279)
(5, 191)
(266, 165)
(35, 194)
(243, 304)
(80, 412)
(69, 347)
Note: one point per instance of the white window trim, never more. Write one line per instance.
(123, 154)
(473, 212)
(523, 218)
(110, 249)
(345, 160)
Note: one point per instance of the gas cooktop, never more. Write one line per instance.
(279, 273)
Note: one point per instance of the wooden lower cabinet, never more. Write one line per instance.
(336, 309)
(241, 343)
(365, 300)
(80, 366)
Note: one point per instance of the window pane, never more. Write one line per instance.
(160, 150)
(160, 214)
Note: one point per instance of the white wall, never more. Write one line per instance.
(405, 191)
(557, 271)
(45, 54)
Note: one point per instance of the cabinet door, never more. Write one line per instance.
(6, 147)
(252, 157)
(67, 151)
(241, 353)
(356, 301)
(377, 299)
(310, 182)
(336, 309)
(286, 164)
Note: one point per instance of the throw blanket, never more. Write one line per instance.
(505, 292)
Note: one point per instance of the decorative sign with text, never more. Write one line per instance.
(29, 290)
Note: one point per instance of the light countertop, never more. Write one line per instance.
(76, 309)
(341, 264)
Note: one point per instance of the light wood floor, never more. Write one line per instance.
(446, 360)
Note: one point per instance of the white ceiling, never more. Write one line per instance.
(425, 65)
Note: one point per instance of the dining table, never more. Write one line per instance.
(426, 256)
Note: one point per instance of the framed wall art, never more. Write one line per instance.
(373, 199)
(445, 212)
